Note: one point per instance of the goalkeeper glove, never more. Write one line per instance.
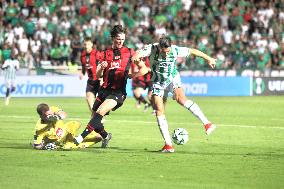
(53, 117)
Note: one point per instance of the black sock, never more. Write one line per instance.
(13, 89)
(96, 123)
(143, 100)
(7, 92)
(87, 131)
(103, 133)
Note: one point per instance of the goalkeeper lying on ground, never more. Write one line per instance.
(52, 133)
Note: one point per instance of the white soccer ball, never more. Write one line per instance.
(180, 136)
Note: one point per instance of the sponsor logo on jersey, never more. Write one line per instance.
(115, 64)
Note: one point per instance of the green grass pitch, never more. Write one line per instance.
(246, 150)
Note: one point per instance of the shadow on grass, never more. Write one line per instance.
(98, 149)
(17, 146)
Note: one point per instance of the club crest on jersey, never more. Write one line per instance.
(59, 132)
(115, 64)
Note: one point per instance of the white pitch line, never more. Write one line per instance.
(147, 122)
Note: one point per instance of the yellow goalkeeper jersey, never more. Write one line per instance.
(50, 130)
(59, 131)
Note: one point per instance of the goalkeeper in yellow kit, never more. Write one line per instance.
(51, 132)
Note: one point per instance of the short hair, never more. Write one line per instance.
(88, 39)
(117, 29)
(165, 42)
(42, 108)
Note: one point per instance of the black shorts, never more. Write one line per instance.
(93, 86)
(104, 94)
(142, 84)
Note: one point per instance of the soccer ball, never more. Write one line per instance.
(180, 136)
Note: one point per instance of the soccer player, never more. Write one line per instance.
(10, 67)
(166, 78)
(51, 132)
(114, 67)
(89, 66)
(139, 84)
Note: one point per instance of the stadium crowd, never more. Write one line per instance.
(239, 33)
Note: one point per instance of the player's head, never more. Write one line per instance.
(88, 44)
(165, 45)
(43, 110)
(118, 36)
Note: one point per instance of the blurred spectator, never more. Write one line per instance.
(240, 33)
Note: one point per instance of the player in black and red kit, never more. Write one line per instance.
(114, 66)
(89, 63)
(139, 84)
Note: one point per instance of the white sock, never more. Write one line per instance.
(164, 129)
(79, 139)
(195, 110)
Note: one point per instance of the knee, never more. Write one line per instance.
(99, 111)
(89, 96)
(180, 98)
(159, 112)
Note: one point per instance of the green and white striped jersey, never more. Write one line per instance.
(164, 69)
(10, 67)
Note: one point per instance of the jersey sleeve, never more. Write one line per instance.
(146, 51)
(6, 64)
(40, 126)
(182, 51)
(100, 56)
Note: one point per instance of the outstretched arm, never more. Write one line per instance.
(141, 53)
(211, 61)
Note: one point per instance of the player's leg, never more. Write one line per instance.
(90, 98)
(8, 92)
(194, 108)
(95, 124)
(134, 87)
(72, 127)
(91, 91)
(137, 92)
(138, 103)
(90, 140)
(149, 95)
(157, 98)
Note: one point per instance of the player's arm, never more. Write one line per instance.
(61, 114)
(211, 61)
(83, 70)
(5, 65)
(142, 53)
(142, 69)
(42, 127)
(55, 114)
(100, 69)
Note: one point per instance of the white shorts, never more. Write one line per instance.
(162, 91)
(10, 83)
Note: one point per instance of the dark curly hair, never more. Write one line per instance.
(117, 29)
(165, 42)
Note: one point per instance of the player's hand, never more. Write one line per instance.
(53, 117)
(103, 64)
(212, 62)
(135, 58)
